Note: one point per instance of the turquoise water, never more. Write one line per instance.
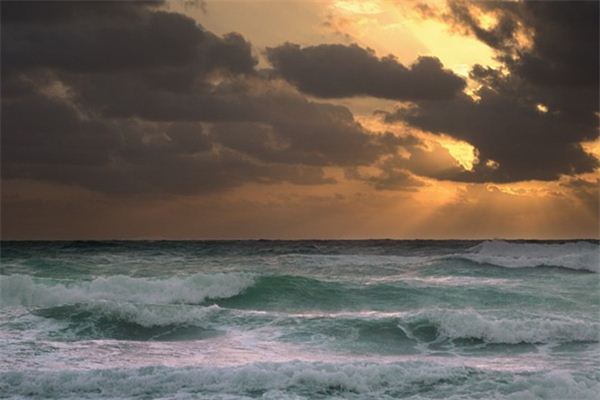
(300, 320)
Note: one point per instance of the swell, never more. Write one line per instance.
(574, 255)
(126, 321)
(200, 305)
(135, 296)
(398, 332)
(247, 291)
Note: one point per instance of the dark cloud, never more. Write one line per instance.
(37, 129)
(127, 156)
(507, 121)
(53, 12)
(126, 98)
(287, 128)
(526, 142)
(397, 171)
(564, 36)
(114, 37)
(334, 70)
(391, 176)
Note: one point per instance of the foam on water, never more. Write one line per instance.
(504, 327)
(26, 290)
(571, 255)
(300, 380)
(424, 326)
(300, 320)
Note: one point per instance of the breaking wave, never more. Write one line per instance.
(499, 329)
(193, 289)
(301, 380)
(571, 255)
(405, 329)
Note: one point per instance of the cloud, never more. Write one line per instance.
(117, 42)
(390, 177)
(397, 171)
(587, 193)
(45, 138)
(564, 38)
(524, 142)
(335, 70)
(527, 121)
(154, 103)
(127, 98)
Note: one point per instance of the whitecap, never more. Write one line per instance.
(572, 255)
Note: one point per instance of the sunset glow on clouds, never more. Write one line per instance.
(338, 119)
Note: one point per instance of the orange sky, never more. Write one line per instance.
(346, 207)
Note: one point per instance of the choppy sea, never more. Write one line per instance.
(379, 319)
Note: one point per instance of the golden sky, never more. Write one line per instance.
(435, 183)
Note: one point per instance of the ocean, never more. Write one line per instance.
(373, 319)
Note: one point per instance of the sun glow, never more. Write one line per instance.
(541, 108)
(464, 153)
(592, 147)
(358, 7)
(394, 27)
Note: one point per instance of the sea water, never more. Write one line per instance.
(300, 320)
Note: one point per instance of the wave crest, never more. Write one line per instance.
(497, 329)
(571, 255)
(193, 289)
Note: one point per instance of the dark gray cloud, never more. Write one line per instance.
(46, 138)
(335, 70)
(126, 98)
(55, 12)
(37, 129)
(116, 37)
(507, 129)
(564, 47)
(392, 175)
(559, 71)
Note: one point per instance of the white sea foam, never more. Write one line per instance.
(28, 291)
(572, 255)
(506, 329)
(299, 380)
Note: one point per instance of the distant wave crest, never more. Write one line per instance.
(498, 329)
(572, 255)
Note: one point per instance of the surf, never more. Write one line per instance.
(579, 256)
(295, 379)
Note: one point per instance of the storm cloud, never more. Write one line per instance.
(129, 98)
(335, 70)
(529, 123)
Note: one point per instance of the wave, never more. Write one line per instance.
(193, 289)
(301, 380)
(490, 328)
(233, 290)
(127, 296)
(571, 255)
(361, 328)
(444, 326)
(126, 321)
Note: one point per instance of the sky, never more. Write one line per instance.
(326, 119)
